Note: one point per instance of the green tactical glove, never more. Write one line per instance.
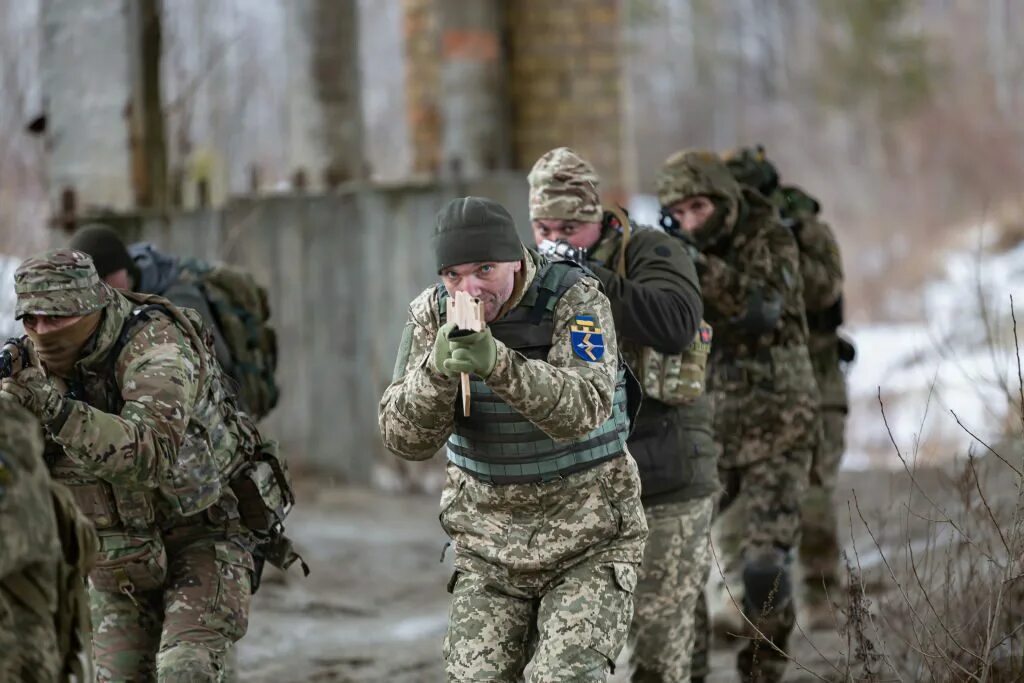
(34, 390)
(443, 350)
(476, 353)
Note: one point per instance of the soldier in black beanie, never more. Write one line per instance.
(542, 500)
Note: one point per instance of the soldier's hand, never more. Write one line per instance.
(36, 392)
(563, 251)
(443, 350)
(476, 353)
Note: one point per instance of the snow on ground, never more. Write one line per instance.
(953, 351)
(959, 352)
(9, 327)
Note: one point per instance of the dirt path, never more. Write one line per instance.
(375, 607)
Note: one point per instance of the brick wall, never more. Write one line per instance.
(421, 32)
(565, 82)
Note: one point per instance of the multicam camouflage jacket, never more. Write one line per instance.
(153, 434)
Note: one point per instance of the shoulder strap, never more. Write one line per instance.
(147, 305)
(627, 232)
(553, 280)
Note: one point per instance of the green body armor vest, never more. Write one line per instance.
(497, 444)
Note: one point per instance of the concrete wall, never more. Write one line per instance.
(85, 83)
(342, 269)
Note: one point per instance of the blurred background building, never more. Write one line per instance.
(311, 140)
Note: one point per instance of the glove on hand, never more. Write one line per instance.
(443, 350)
(476, 353)
(563, 251)
(36, 392)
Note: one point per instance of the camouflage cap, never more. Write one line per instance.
(695, 172)
(563, 186)
(61, 282)
(750, 166)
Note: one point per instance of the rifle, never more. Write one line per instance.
(14, 356)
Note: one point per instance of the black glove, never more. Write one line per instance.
(563, 251)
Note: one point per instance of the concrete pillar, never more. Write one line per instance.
(85, 73)
(455, 86)
(325, 108)
(565, 71)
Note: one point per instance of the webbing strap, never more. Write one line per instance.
(545, 470)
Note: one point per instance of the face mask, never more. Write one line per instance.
(59, 349)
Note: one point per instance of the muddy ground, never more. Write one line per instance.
(374, 609)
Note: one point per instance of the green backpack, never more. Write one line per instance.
(240, 306)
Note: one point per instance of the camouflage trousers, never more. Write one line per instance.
(28, 641)
(673, 574)
(572, 631)
(758, 525)
(819, 542)
(182, 632)
(545, 574)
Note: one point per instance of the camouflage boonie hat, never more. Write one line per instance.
(750, 166)
(563, 186)
(695, 172)
(61, 282)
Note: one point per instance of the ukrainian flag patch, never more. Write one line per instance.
(586, 338)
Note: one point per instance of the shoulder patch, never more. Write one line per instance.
(587, 338)
(662, 251)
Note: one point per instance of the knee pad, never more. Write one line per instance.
(767, 583)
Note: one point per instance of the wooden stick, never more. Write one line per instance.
(468, 314)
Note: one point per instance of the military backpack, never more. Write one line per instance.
(242, 311)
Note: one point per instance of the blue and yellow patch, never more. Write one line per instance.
(586, 338)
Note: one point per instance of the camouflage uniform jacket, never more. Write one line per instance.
(822, 270)
(153, 428)
(30, 551)
(658, 304)
(756, 374)
(530, 532)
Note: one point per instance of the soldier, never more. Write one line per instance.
(822, 271)
(45, 549)
(542, 497)
(656, 304)
(151, 448)
(760, 377)
(233, 306)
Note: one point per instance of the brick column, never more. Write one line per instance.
(455, 86)
(565, 82)
(324, 92)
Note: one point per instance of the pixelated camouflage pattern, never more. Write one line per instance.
(61, 282)
(820, 547)
(691, 173)
(527, 540)
(820, 263)
(676, 562)
(564, 186)
(750, 166)
(571, 631)
(766, 397)
(183, 632)
(822, 270)
(566, 396)
(30, 551)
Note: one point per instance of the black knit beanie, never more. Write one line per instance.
(475, 229)
(106, 248)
